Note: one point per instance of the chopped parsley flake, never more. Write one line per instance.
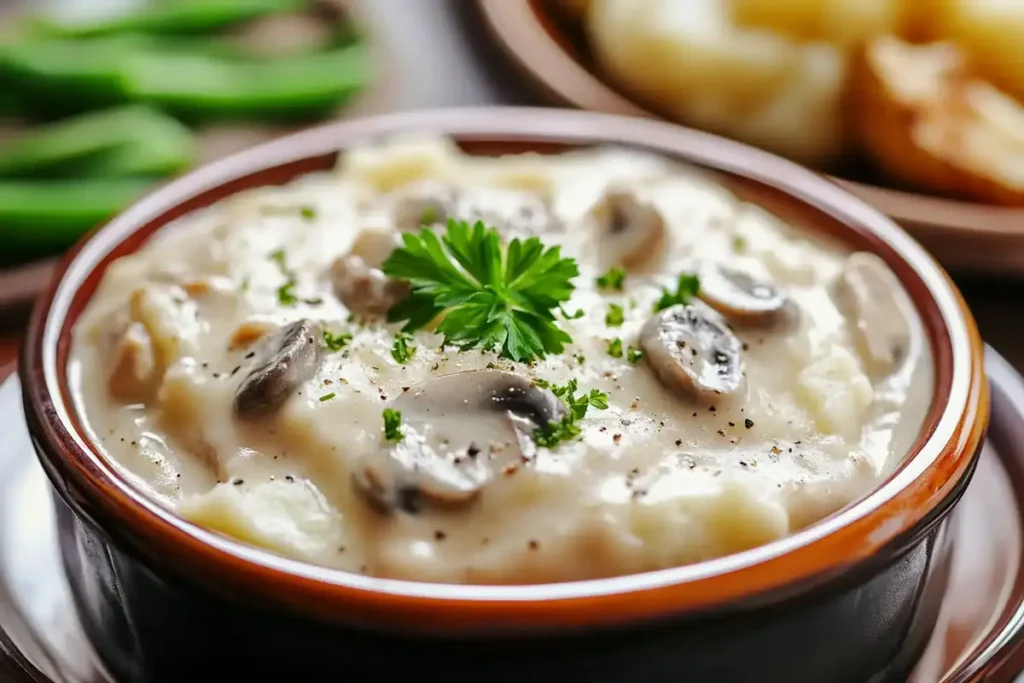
(327, 397)
(571, 316)
(739, 244)
(279, 257)
(634, 355)
(615, 348)
(686, 288)
(429, 216)
(615, 316)
(402, 350)
(493, 296)
(393, 425)
(286, 294)
(613, 279)
(307, 212)
(567, 428)
(336, 342)
(245, 284)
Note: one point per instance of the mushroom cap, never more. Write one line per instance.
(287, 359)
(872, 298)
(741, 296)
(631, 233)
(459, 431)
(692, 350)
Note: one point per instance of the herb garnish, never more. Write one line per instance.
(571, 316)
(567, 428)
(307, 212)
(327, 397)
(393, 425)
(634, 355)
(401, 350)
(613, 279)
(279, 257)
(285, 295)
(615, 316)
(336, 342)
(492, 297)
(686, 288)
(615, 348)
(739, 244)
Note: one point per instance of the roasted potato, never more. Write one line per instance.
(925, 118)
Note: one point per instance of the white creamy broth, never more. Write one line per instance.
(828, 401)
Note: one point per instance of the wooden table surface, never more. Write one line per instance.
(436, 53)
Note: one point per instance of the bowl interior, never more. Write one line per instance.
(854, 533)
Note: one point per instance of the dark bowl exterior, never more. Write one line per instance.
(151, 624)
(853, 599)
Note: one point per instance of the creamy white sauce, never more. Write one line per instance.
(656, 480)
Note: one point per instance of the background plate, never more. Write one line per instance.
(965, 237)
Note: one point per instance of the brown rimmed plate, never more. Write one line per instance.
(964, 236)
(977, 636)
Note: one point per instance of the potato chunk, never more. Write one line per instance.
(927, 120)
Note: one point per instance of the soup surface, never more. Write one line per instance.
(687, 377)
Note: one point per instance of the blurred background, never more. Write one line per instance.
(917, 102)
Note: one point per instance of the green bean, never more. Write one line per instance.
(129, 140)
(177, 17)
(45, 216)
(289, 88)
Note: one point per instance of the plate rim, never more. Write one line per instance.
(562, 77)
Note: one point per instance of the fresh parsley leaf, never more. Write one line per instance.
(327, 397)
(492, 297)
(286, 294)
(686, 288)
(279, 257)
(393, 425)
(634, 355)
(401, 350)
(336, 342)
(567, 429)
(613, 279)
(615, 348)
(615, 316)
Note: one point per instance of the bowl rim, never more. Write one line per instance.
(929, 480)
(561, 76)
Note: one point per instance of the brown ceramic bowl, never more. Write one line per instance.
(852, 598)
(553, 53)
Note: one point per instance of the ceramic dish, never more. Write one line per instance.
(854, 597)
(963, 236)
(976, 637)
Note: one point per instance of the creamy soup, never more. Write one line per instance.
(687, 377)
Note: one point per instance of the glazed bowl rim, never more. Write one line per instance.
(69, 452)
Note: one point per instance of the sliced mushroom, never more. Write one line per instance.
(459, 432)
(288, 359)
(741, 296)
(630, 232)
(874, 301)
(692, 350)
(133, 371)
(364, 290)
(374, 245)
(423, 204)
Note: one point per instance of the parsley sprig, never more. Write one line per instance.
(402, 350)
(491, 296)
(568, 428)
(687, 287)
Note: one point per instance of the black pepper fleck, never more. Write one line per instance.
(238, 482)
(289, 478)
(440, 535)
(534, 545)
(748, 423)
